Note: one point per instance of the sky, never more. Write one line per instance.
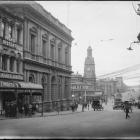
(107, 26)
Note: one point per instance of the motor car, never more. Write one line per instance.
(118, 106)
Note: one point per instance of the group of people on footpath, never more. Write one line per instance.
(12, 109)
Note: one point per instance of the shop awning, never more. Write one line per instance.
(28, 85)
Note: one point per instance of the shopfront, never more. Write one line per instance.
(18, 94)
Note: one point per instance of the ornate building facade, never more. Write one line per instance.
(11, 55)
(46, 48)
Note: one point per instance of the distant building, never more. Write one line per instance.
(89, 68)
(84, 87)
(111, 87)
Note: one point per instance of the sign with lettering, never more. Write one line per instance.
(7, 84)
(11, 76)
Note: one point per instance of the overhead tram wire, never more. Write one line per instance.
(120, 72)
(123, 70)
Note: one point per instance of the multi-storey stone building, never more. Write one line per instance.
(46, 48)
(111, 87)
(11, 54)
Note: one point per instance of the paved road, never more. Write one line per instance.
(107, 123)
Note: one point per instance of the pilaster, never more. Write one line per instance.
(49, 87)
(49, 46)
(15, 33)
(63, 53)
(0, 61)
(1, 31)
(15, 65)
(21, 67)
(6, 31)
(8, 63)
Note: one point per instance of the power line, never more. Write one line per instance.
(126, 70)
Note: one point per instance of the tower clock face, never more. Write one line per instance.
(88, 69)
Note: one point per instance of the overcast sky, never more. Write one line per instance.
(93, 21)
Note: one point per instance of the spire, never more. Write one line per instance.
(89, 52)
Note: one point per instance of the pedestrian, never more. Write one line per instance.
(127, 111)
(88, 106)
(25, 109)
(83, 107)
(30, 109)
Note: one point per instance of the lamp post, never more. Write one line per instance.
(85, 92)
(132, 43)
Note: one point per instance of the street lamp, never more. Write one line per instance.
(132, 43)
(72, 97)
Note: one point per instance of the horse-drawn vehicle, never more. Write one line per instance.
(96, 105)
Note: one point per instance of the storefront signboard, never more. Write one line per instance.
(10, 76)
(7, 84)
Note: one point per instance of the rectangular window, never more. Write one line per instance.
(11, 64)
(32, 43)
(66, 57)
(44, 48)
(59, 55)
(4, 62)
(52, 51)
(18, 35)
(18, 66)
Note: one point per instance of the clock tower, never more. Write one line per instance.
(89, 68)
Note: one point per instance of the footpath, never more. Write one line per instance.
(47, 114)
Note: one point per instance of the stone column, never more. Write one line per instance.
(49, 46)
(56, 50)
(39, 39)
(6, 31)
(21, 35)
(21, 67)
(14, 34)
(1, 31)
(0, 61)
(49, 87)
(63, 53)
(49, 92)
(69, 53)
(15, 65)
(63, 87)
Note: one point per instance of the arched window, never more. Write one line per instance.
(53, 88)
